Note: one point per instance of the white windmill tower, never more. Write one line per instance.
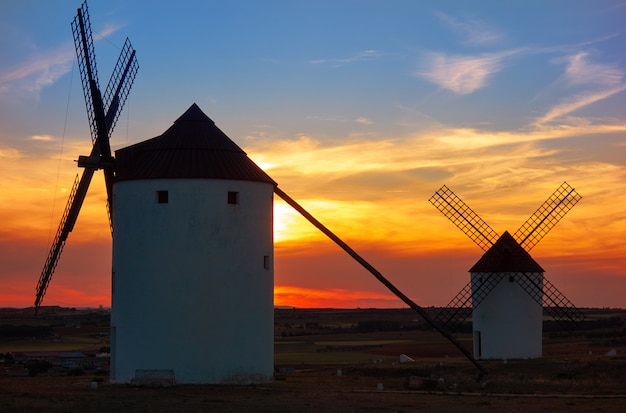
(192, 259)
(507, 293)
(193, 241)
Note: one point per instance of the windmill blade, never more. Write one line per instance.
(464, 217)
(119, 85)
(469, 298)
(533, 288)
(459, 309)
(83, 43)
(74, 203)
(115, 96)
(546, 216)
(560, 307)
(552, 300)
(100, 125)
(379, 276)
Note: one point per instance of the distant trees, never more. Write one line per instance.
(7, 358)
(377, 325)
(11, 331)
(364, 326)
(36, 367)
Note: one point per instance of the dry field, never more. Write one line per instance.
(324, 363)
(322, 390)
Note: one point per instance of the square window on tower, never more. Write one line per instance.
(162, 197)
(233, 198)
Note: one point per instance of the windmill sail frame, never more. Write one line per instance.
(554, 303)
(101, 124)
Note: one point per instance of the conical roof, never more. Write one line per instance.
(193, 147)
(506, 255)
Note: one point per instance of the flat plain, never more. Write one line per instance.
(329, 360)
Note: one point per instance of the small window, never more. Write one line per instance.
(266, 262)
(162, 197)
(233, 198)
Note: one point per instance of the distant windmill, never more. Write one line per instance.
(102, 113)
(507, 292)
(193, 257)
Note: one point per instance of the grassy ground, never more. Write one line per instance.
(315, 390)
(311, 348)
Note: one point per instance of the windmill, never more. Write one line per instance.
(507, 293)
(192, 271)
(102, 113)
(192, 279)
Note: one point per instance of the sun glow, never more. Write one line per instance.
(286, 295)
(289, 225)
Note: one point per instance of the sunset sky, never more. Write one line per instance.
(360, 110)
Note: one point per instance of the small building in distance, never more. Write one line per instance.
(508, 323)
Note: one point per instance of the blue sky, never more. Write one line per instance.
(359, 109)
(295, 64)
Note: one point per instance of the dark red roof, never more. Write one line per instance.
(506, 255)
(193, 147)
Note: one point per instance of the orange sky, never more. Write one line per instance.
(398, 231)
(360, 127)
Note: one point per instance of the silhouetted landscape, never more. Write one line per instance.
(325, 360)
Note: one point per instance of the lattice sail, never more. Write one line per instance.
(469, 298)
(546, 216)
(119, 85)
(560, 308)
(459, 309)
(552, 300)
(57, 248)
(83, 42)
(464, 218)
(100, 124)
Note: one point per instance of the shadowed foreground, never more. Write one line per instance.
(538, 387)
(326, 361)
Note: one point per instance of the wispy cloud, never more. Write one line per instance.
(365, 55)
(580, 70)
(575, 102)
(25, 80)
(107, 30)
(363, 120)
(360, 119)
(348, 183)
(475, 32)
(28, 78)
(42, 138)
(9, 154)
(458, 73)
(394, 160)
(464, 74)
(588, 82)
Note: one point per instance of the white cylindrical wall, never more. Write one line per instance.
(193, 280)
(508, 322)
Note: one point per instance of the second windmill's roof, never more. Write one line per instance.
(506, 255)
(193, 147)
